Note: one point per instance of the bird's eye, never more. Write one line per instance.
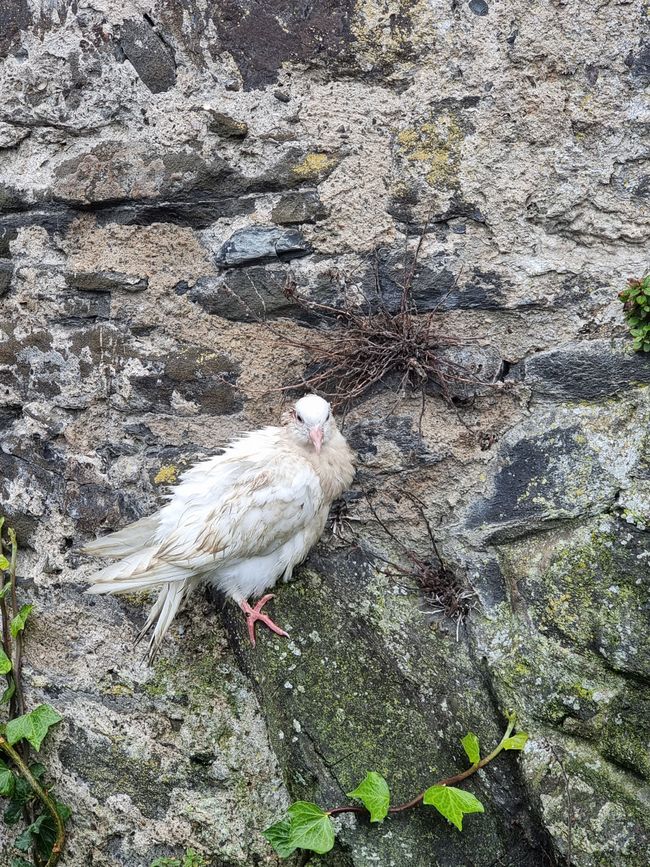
(299, 417)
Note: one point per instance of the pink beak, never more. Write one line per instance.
(316, 436)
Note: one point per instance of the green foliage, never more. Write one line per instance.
(636, 305)
(23, 784)
(5, 662)
(190, 859)
(374, 794)
(307, 826)
(33, 726)
(516, 742)
(452, 803)
(471, 747)
(18, 622)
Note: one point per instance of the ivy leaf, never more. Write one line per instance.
(7, 781)
(33, 726)
(311, 827)
(452, 803)
(279, 836)
(5, 662)
(374, 794)
(471, 747)
(19, 862)
(22, 794)
(516, 742)
(18, 622)
(4, 563)
(9, 691)
(5, 589)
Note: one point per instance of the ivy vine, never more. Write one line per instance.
(24, 782)
(308, 826)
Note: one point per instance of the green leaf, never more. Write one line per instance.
(33, 726)
(516, 742)
(452, 803)
(471, 747)
(8, 693)
(4, 590)
(374, 794)
(18, 622)
(5, 662)
(7, 781)
(17, 861)
(22, 794)
(311, 827)
(279, 836)
(4, 563)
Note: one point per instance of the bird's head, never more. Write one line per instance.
(311, 421)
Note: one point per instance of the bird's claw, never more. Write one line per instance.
(255, 614)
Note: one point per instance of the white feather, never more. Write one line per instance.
(239, 520)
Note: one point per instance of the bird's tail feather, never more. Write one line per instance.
(129, 540)
(166, 607)
(136, 572)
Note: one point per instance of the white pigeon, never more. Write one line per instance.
(239, 520)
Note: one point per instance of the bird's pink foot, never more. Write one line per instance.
(255, 614)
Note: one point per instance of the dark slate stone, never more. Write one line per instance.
(331, 609)
(151, 58)
(639, 64)
(78, 307)
(543, 479)
(227, 127)
(14, 17)
(259, 243)
(263, 36)
(244, 294)
(479, 7)
(6, 273)
(92, 505)
(7, 235)
(590, 370)
(203, 379)
(398, 430)
(105, 281)
(299, 207)
(433, 286)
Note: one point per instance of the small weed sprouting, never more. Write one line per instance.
(636, 305)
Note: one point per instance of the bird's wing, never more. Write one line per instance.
(265, 506)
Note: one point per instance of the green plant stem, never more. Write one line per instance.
(40, 792)
(18, 656)
(448, 781)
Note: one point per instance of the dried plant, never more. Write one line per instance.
(356, 346)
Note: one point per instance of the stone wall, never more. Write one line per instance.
(165, 167)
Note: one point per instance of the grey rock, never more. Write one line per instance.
(14, 17)
(226, 126)
(151, 58)
(261, 242)
(105, 281)
(11, 136)
(6, 273)
(541, 480)
(299, 207)
(479, 7)
(589, 370)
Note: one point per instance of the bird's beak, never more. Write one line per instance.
(316, 436)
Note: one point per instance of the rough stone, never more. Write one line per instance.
(298, 207)
(510, 161)
(151, 58)
(259, 243)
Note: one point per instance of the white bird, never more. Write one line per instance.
(239, 520)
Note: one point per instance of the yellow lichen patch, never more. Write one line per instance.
(314, 166)
(434, 147)
(166, 475)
